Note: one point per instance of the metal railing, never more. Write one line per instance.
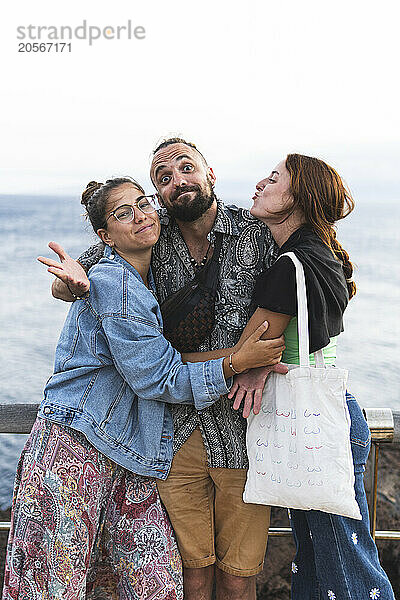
(384, 424)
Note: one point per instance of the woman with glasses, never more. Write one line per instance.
(87, 521)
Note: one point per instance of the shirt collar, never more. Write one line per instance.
(224, 221)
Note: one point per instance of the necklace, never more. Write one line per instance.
(197, 265)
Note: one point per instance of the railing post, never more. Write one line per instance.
(374, 490)
(381, 424)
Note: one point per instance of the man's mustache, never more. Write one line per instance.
(184, 189)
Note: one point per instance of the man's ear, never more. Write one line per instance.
(211, 176)
(104, 236)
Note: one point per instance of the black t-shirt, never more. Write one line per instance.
(327, 293)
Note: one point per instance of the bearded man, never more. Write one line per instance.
(219, 536)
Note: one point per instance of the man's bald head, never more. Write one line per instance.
(177, 140)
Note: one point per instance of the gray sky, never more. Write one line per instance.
(248, 82)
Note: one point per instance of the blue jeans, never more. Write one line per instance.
(336, 557)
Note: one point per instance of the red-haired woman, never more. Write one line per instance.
(300, 201)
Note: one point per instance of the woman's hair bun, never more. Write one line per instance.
(91, 189)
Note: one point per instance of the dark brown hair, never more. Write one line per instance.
(318, 190)
(95, 198)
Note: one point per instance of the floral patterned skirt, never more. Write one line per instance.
(83, 527)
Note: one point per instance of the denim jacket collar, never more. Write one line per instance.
(111, 254)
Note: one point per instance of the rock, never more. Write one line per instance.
(388, 509)
(274, 580)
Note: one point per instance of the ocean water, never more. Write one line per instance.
(30, 319)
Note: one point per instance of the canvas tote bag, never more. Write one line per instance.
(299, 444)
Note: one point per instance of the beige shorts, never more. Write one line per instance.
(212, 523)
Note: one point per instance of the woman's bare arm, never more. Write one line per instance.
(276, 347)
(248, 387)
(277, 324)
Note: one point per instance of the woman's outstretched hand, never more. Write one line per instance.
(248, 388)
(68, 270)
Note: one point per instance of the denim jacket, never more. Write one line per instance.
(114, 371)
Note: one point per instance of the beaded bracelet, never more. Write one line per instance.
(81, 297)
(232, 368)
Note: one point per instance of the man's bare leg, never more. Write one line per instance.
(232, 587)
(198, 583)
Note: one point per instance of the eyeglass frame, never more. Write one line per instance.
(133, 206)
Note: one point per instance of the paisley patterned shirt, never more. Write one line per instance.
(248, 249)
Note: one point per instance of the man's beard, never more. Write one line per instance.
(195, 208)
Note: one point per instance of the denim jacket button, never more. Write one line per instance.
(47, 410)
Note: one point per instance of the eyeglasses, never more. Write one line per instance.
(126, 212)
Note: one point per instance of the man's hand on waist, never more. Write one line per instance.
(248, 387)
